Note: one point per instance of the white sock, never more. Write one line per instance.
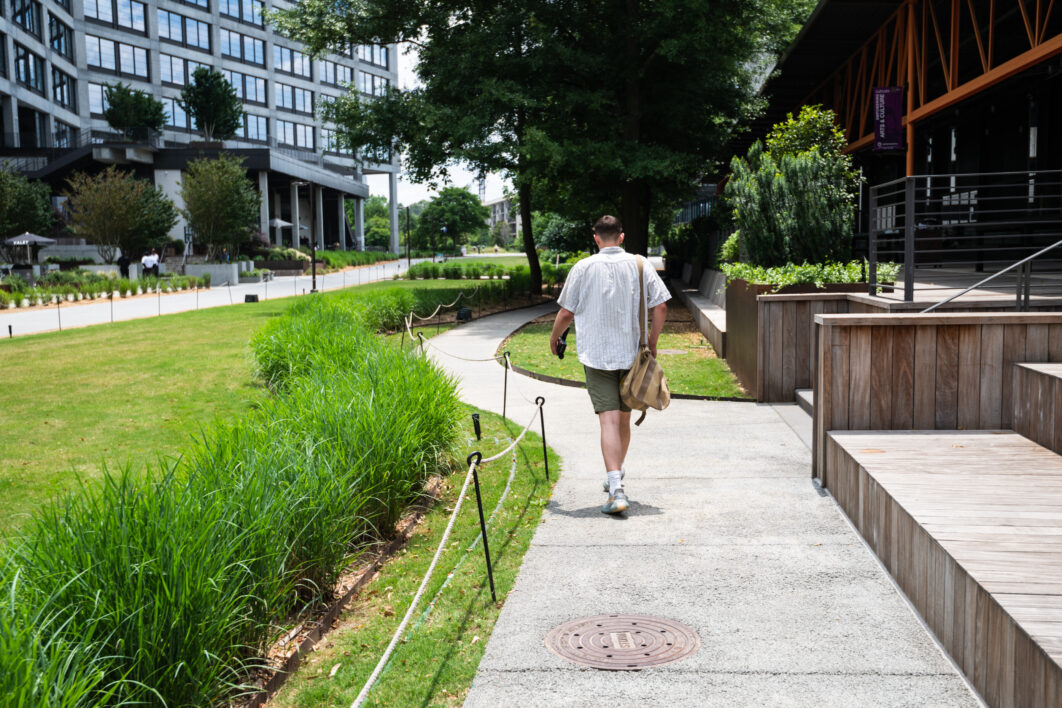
(614, 481)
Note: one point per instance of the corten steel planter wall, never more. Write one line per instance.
(770, 337)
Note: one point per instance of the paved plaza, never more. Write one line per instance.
(726, 533)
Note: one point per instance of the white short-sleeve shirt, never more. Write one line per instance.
(603, 292)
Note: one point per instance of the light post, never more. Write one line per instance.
(313, 240)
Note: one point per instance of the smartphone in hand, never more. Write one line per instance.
(563, 343)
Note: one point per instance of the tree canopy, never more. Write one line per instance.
(453, 215)
(107, 209)
(131, 111)
(590, 106)
(220, 203)
(213, 104)
(25, 205)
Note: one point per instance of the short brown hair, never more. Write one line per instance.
(608, 227)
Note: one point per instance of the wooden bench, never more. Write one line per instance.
(707, 305)
(970, 526)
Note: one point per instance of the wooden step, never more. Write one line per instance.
(805, 397)
(969, 523)
(1037, 397)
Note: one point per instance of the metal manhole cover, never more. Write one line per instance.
(622, 642)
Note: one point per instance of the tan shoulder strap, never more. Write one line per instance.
(643, 332)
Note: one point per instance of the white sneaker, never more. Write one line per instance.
(604, 487)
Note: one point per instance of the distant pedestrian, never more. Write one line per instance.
(123, 265)
(602, 296)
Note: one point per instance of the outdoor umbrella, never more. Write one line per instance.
(31, 241)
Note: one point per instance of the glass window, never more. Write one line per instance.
(336, 74)
(184, 30)
(295, 134)
(65, 4)
(65, 134)
(291, 61)
(64, 89)
(101, 10)
(29, 68)
(254, 127)
(131, 14)
(97, 99)
(253, 50)
(373, 54)
(99, 52)
(27, 14)
(238, 46)
(176, 117)
(372, 85)
(205, 4)
(61, 37)
(133, 60)
(248, 88)
(294, 98)
(3, 55)
(330, 142)
(171, 69)
(249, 11)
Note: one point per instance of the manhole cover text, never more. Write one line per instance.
(622, 642)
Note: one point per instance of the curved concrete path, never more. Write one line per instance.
(726, 533)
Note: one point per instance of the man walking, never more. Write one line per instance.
(602, 295)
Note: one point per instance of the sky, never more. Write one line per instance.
(409, 192)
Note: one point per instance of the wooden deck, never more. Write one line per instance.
(970, 526)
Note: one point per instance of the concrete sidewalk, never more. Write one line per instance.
(726, 533)
(85, 313)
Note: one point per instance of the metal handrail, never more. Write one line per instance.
(1009, 268)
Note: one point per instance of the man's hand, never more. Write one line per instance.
(561, 323)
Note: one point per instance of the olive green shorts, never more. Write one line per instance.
(604, 388)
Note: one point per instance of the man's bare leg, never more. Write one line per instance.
(615, 438)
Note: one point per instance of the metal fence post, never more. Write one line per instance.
(482, 521)
(475, 424)
(540, 402)
(908, 239)
(505, 387)
(872, 243)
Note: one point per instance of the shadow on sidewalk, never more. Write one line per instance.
(636, 509)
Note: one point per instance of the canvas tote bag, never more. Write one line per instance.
(644, 386)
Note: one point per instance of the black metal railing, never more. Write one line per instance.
(946, 230)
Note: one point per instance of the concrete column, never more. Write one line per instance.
(392, 185)
(318, 215)
(11, 139)
(263, 203)
(295, 224)
(359, 223)
(341, 225)
(278, 235)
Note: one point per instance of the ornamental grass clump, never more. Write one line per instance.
(169, 592)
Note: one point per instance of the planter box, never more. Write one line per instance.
(220, 273)
(770, 335)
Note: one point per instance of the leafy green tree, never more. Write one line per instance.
(106, 209)
(131, 111)
(212, 103)
(474, 106)
(25, 205)
(158, 215)
(457, 211)
(220, 203)
(556, 233)
(794, 202)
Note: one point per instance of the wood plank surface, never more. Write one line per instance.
(859, 379)
(968, 394)
(946, 393)
(970, 525)
(925, 376)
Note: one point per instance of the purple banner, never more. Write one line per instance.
(888, 118)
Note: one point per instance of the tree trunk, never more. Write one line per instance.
(634, 212)
(529, 238)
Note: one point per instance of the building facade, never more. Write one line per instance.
(57, 55)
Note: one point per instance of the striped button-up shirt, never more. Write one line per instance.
(603, 292)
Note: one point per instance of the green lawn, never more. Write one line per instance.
(688, 360)
(438, 659)
(126, 393)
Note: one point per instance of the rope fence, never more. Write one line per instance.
(474, 460)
